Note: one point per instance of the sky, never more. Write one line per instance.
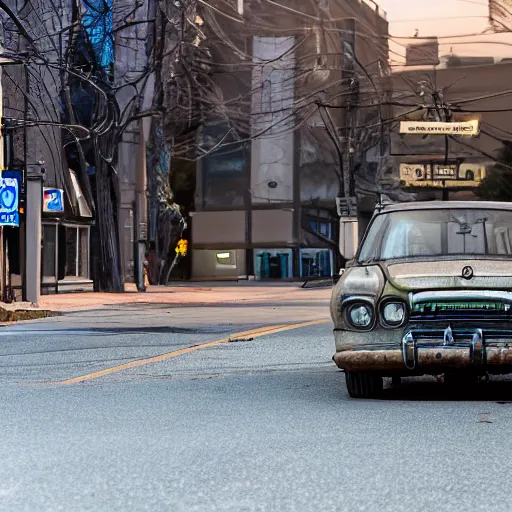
(445, 18)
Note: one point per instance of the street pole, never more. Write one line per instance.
(33, 230)
(24, 182)
(141, 207)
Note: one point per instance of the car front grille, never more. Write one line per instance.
(462, 310)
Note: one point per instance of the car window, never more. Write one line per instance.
(424, 233)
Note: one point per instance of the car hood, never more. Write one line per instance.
(432, 275)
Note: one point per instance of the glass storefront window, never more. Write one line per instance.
(273, 263)
(77, 251)
(316, 262)
(224, 176)
(49, 252)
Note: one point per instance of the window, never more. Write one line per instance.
(316, 262)
(226, 258)
(224, 176)
(323, 228)
(49, 256)
(273, 263)
(77, 252)
(266, 96)
(438, 232)
(503, 241)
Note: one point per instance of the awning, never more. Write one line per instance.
(79, 199)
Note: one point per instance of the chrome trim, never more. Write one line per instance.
(419, 297)
(476, 340)
(409, 351)
(477, 350)
(448, 338)
(357, 298)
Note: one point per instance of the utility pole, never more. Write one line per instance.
(347, 207)
(33, 233)
(444, 114)
(141, 207)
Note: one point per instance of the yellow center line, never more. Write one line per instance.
(254, 333)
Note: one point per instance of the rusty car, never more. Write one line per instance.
(429, 292)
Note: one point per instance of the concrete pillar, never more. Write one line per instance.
(34, 203)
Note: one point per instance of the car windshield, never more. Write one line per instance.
(430, 233)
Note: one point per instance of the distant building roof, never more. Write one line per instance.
(456, 61)
(425, 52)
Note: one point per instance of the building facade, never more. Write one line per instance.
(266, 202)
(472, 89)
(34, 143)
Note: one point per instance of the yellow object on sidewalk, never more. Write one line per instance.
(182, 247)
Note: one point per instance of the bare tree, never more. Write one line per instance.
(78, 97)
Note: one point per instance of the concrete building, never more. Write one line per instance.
(474, 88)
(267, 208)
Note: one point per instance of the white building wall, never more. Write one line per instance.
(273, 86)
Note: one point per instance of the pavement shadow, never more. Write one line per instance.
(242, 303)
(499, 391)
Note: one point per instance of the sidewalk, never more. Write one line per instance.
(186, 294)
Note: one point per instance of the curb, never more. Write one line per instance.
(18, 315)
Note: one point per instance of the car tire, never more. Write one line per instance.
(363, 385)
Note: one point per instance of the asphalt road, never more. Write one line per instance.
(259, 423)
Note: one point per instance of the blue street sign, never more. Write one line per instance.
(9, 201)
(18, 175)
(53, 200)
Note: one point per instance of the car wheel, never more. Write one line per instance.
(363, 385)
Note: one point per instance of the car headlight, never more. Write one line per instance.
(393, 313)
(360, 315)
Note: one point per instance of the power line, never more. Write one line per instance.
(497, 128)
(438, 19)
(481, 110)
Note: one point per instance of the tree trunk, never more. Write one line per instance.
(106, 263)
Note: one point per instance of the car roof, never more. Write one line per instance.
(443, 205)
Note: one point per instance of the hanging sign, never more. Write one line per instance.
(465, 128)
(9, 202)
(439, 175)
(53, 200)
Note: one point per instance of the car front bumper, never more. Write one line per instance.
(419, 351)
